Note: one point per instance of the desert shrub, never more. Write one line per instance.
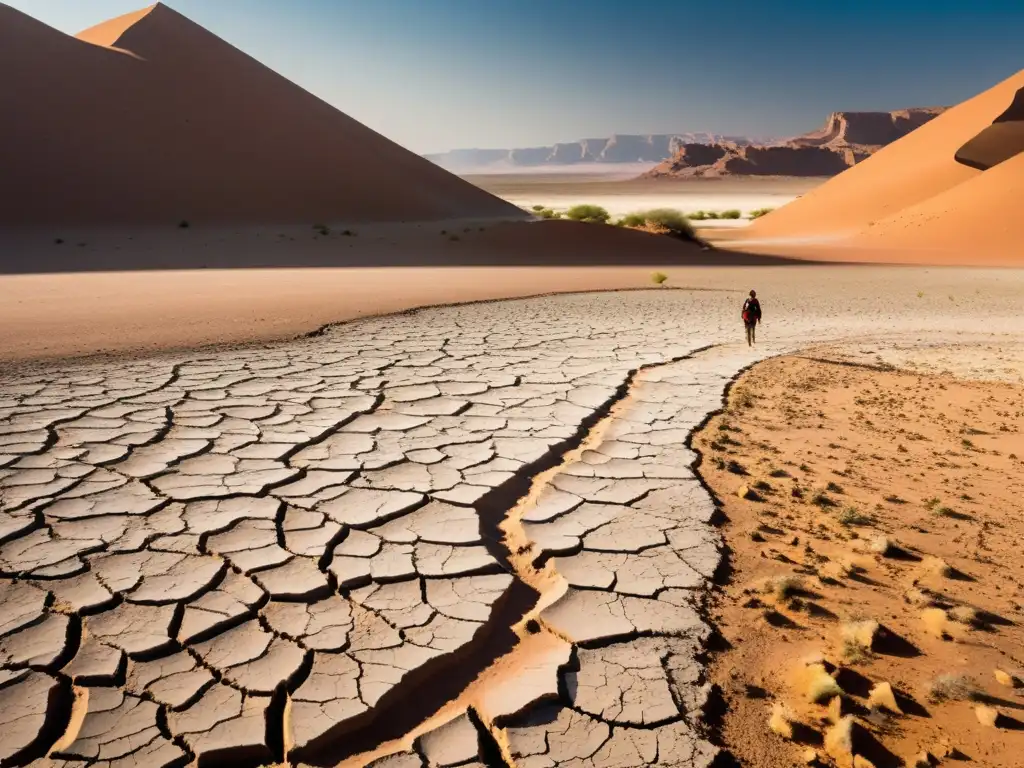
(697, 215)
(757, 213)
(672, 220)
(851, 516)
(712, 215)
(731, 214)
(659, 278)
(537, 207)
(631, 220)
(592, 214)
(547, 213)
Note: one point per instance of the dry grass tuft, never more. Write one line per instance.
(780, 721)
(882, 697)
(951, 688)
(936, 622)
(937, 566)
(782, 588)
(858, 638)
(839, 741)
(964, 614)
(821, 686)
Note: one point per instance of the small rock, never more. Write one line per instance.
(881, 545)
(794, 541)
(922, 760)
(811, 757)
(1005, 678)
(746, 492)
(859, 761)
(987, 716)
(756, 536)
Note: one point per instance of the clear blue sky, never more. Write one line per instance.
(441, 74)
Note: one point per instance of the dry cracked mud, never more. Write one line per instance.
(461, 536)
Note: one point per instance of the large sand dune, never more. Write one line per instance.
(151, 119)
(914, 193)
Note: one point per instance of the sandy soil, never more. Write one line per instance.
(846, 461)
(561, 191)
(61, 315)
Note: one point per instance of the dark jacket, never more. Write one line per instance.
(753, 307)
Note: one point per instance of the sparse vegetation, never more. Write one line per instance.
(591, 214)
(851, 516)
(821, 686)
(732, 213)
(757, 213)
(782, 587)
(659, 278)
(660, 218)
(951, 688)
(697, 216)
(858, 638)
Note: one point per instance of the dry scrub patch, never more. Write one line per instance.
(879, 546)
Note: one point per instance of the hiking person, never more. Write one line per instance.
(751, 315)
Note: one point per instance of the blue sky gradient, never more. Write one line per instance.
(441, 74)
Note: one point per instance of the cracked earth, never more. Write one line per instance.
(465, 535)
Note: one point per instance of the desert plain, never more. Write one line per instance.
(296, 475)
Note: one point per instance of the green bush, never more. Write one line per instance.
(547, 213)
(713, 215)
(757, 213)
(537, 207)
(659, 278)
(732, 213)
(670, 219)
(631, 220)
(697, 216)
(592, 214)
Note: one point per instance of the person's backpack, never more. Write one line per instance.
(748, 313)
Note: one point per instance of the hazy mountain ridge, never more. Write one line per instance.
(618, 148)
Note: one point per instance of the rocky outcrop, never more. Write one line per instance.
(845, 139)
(620, 148)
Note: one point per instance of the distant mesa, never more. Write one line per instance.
(151, 119)
(846, 139)
(620, 148)
(998, 142)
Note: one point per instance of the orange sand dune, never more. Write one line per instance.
(906, 173)
(982, 214)
(150, 119)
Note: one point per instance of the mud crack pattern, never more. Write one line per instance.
(301, 551)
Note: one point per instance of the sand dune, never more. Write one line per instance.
(999, 141)
(981, 214)
(917, 167)
(151, 119)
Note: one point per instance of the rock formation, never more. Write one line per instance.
(620, 148)
(845, 139)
